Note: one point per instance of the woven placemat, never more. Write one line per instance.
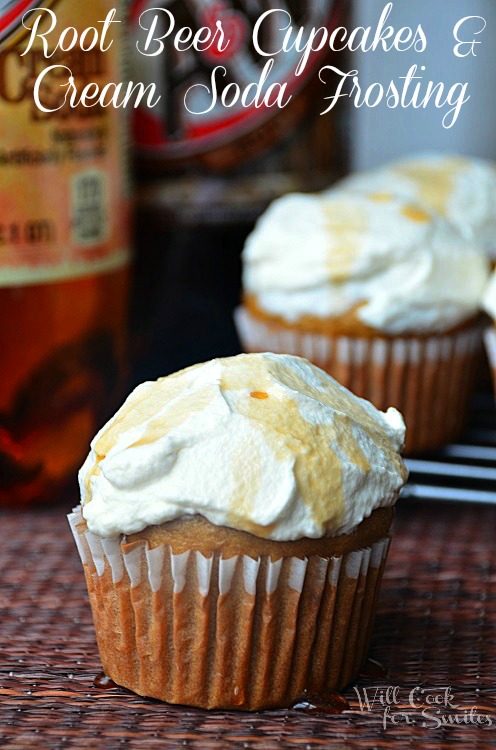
(435, 633)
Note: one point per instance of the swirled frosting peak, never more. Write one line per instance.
(264, 443)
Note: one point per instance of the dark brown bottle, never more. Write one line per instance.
(205, 178)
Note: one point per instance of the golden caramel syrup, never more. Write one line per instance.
(414, 213)
(380, 197)
(435, 185)
(103, 682)
(321, 704)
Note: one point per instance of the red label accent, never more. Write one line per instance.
(11, 14)
(168, 128)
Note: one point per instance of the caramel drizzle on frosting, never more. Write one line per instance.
(415, 213)
(260, 389)
(381, 197)
(435, 182)
(346, 225)
(140, 409)
(318, 450)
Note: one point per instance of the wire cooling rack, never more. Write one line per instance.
(462, 472)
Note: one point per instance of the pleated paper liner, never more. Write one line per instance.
(428, 379)
(490, 341)
(236, 633)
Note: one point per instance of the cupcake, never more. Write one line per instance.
(234, 524)
(381, 293)
(489, 305)
(461, 189)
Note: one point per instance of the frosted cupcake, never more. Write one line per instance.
(234, 527)
(461, 189)
(378, 291)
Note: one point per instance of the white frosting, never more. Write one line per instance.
(461, 189)
(264, 443)
(489, 297)
(322, 255)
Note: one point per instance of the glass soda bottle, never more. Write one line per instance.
(205, 178)
(64, 251)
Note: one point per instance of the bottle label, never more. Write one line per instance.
(172, 131)
(64, 209)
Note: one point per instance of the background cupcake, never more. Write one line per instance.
(461, 189)
(380, 292)
(234, 527)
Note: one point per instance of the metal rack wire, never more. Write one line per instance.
(464, 471)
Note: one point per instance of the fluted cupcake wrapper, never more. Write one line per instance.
(238, 633)
(429, 379)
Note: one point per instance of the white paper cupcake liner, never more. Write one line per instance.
(229, 633)
(429, 379)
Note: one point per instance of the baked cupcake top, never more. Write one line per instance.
(399, 266)
(461, 189)
(263, 443)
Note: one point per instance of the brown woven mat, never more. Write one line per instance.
(435, 632)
